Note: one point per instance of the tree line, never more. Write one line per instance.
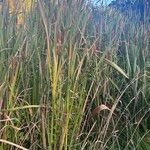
(140, 7)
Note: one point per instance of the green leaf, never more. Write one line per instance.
(116, 67)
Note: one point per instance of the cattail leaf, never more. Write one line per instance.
(98, 109)
(116, 67)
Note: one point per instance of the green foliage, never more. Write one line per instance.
(74, 77)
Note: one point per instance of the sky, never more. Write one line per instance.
(106, 1)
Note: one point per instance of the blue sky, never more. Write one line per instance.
(106, 1)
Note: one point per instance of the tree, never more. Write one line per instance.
(140, 7)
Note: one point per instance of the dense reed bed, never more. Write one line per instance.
(74, 77)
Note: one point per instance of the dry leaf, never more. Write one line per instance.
(97, 110)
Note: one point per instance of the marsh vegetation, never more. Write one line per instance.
(74, 77)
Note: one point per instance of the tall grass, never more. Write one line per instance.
(73, 77)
